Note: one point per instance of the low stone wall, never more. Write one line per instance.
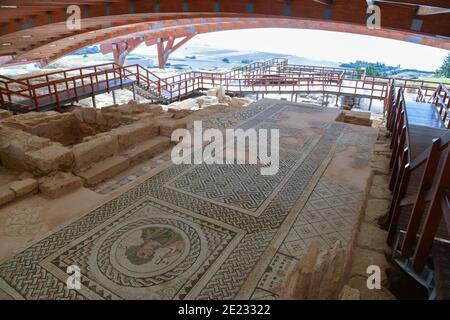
(62, 151)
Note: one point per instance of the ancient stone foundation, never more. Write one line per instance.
(55, 153)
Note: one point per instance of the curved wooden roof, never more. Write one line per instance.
(36, 29)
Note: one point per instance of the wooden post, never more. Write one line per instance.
(419, 203)
(398, 193)
(433, 216)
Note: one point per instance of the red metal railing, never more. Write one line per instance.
(273, 76)
(36, 89)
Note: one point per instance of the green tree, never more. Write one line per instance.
(372, 71)
(444, 70)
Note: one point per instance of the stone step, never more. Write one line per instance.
(147, 149)
(59, 184)
(104, 170)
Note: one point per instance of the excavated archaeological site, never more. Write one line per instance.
(79, 184)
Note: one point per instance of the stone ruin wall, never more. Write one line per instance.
(54, 153)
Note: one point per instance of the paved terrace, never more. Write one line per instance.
(196, 231)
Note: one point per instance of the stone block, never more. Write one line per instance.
(12, 156)
(14, 143)
(89, 115)
(92, 151)
(110, 109)
(376, 209)
(238, 102)
(382, 148)
(381, 180)
(103, 170)
(6, 195)
(188, 104)
(113, 120)
(24, 187)
(381, 161)
(58, 184)
(49, 159)
(166, 127)
(355, 117)
(4, 114)
(380, 192)
(212, 92)
(207, 100)
(132, 134)
(372, 237)
(147, 149)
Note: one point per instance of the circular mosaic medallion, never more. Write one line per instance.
(148, 252)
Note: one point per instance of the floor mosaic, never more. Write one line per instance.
(198, 231)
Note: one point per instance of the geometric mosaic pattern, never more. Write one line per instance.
(178, 236)
(240, 186)
(327, 217)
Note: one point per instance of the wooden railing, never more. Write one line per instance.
(429, 201)
(441, 99)
(410, 86)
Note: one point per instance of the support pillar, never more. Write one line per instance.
(121, 49)
(165, 51)
(114, 96)
(134, 92)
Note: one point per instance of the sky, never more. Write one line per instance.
(326, 45)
